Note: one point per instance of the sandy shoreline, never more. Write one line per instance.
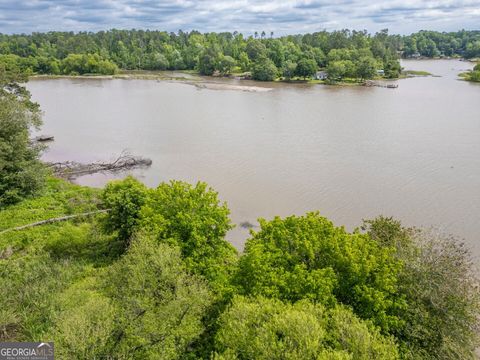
(199, 82)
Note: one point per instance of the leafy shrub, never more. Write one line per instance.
(474, 76)
(160, 305)
(78, 64)
(306, 68)
(308, 257)
(194, 219)
(260, 328)
(440, 285)
(265, 70)
(27, 308)
(84, 325)
(124, 199)
(21, 172)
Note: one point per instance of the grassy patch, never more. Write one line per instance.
(411, 73)
(472, 76)
(57, 199)
(48, 259)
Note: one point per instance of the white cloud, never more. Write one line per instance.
(280, 16)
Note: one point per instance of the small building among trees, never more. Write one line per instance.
(321, 75)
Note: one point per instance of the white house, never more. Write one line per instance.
(320, 75)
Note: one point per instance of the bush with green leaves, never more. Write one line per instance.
(78, 64)
(194, 219)
(392, 68)
(144, 306)
(207, 62)
(31, 283)
(179, 214)
(366, 67)
(440, 284)
(21, 172)
(288, 69)
(161, 304)
(265, 70)
(474, 76)
(260, 328)
(306, 68)
(124, 200)
(307, 257)
(225, 64)
(84, 322)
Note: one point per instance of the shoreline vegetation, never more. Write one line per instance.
(194, 78)
(415, 73)
(472, 75)
(217, 82)
(332, 57)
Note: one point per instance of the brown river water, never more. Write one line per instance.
(350, 152)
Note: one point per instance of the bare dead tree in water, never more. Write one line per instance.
(71, 170)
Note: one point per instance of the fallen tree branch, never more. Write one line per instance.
(54, 220)
(71, 170)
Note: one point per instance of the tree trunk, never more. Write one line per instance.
(54, 220)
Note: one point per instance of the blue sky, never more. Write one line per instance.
(246, 16)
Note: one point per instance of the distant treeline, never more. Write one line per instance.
(435, 44)
(344, 54)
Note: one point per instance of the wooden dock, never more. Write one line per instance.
(380, 84)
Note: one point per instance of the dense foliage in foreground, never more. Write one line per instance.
(21, 173)
(155, 278)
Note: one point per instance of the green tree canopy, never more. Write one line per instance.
(124, 200)
(21, 173)
(288, 69)
(207, 62)
(99, 53)
(336, 70)
(306, 68)
(308, 257)
(260, 328)
(392, 69)
(265, 70)
(439, 282)
(87, 64)
(225, 64)
(256, 50)
(366, 68)
(145, 306)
